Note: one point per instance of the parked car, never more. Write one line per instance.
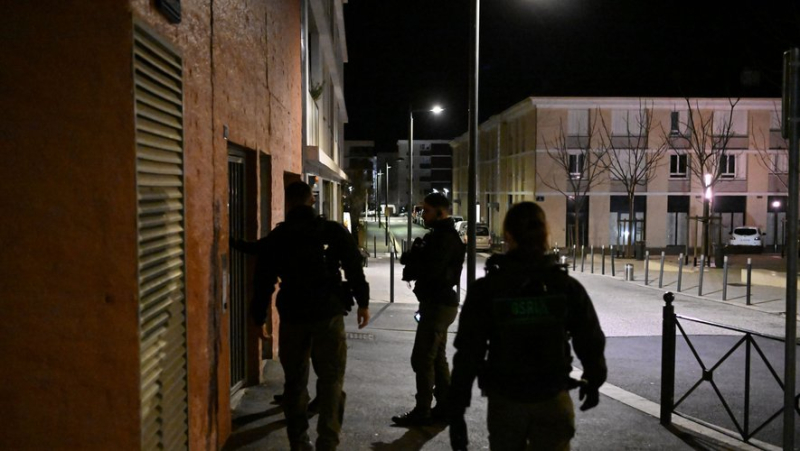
(746, 236)
(457, 218)
(483, 241)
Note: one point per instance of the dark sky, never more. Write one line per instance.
(417, 51)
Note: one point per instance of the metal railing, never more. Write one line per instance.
(670, 326)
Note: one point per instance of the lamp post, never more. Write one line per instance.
(435, 110)
(707, 178)
(776, 206)
(472, 196)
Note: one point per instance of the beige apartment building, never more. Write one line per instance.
(748, 189)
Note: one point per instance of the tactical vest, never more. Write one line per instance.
(529, 354)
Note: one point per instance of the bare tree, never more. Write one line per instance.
(629, 158)
(708, 141)
(576, 162)
(773, 152)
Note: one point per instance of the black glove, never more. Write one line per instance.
(458, 432)
(591, 393)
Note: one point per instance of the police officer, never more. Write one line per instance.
(306, 253)
(435, 263)
(514, 334)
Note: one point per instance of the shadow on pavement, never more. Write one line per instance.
(243, 438)
(695, 441)
(412, 439)
(246, 419)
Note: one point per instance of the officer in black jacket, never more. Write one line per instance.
(306, 253)
(514, 335)
(435, 263)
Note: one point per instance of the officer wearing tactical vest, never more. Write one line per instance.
(306, 252)
(514, 335)
(435, 263)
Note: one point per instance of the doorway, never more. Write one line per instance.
(237, 229)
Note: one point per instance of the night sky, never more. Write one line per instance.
(417, 52)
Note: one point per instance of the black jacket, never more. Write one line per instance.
(515, 327)
(307, 253)
(435, 263)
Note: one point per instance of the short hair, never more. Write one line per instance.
(437, 200)
(527, 224)
(297, 194)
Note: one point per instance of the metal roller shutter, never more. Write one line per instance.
(162, 306)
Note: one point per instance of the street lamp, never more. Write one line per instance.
(435, 110)
(707, 179)
(776, 207)
(472, 177)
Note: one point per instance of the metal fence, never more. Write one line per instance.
(672, 323)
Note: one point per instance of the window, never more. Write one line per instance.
(674, 121)
(677, 166)
(628, 122)
(727, 164)
(575, 166)
(780, 163)
(734, 124)
(775, 119)
(578, 122)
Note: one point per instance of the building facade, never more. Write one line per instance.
(144, 137)
(433, 170)
(515, 164)
(324, 55)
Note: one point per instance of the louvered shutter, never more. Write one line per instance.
(162, 306)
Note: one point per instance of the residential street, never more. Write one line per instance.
(380, 382)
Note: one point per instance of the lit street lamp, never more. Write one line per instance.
(435, 110)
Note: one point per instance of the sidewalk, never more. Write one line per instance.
(380, 383)
(763, 298)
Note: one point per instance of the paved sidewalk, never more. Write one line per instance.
(380, 384)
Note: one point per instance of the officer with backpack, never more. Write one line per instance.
(514, 335)
(434, 262)
(306, 252)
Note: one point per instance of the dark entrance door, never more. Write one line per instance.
(238, 292)
(582, 222)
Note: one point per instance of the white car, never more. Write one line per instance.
(746, 236)
(483, 241)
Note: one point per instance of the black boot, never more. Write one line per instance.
(416, 417)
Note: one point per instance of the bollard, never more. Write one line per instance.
(702, 271)
(374, 247)
(646, 267)
(603, 260)
(591, 253)
(629, 272)
(574, 257)
(667, 359)
(661, 271)
(613, 266)
(583, 256)
(405, 246)
(391, 275)
(749, 269)
(680, 271)
(725, 278)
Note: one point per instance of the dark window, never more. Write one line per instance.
(677, 166)
(482, 231)
(575, 166)
(727, 165)
(675, 123)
